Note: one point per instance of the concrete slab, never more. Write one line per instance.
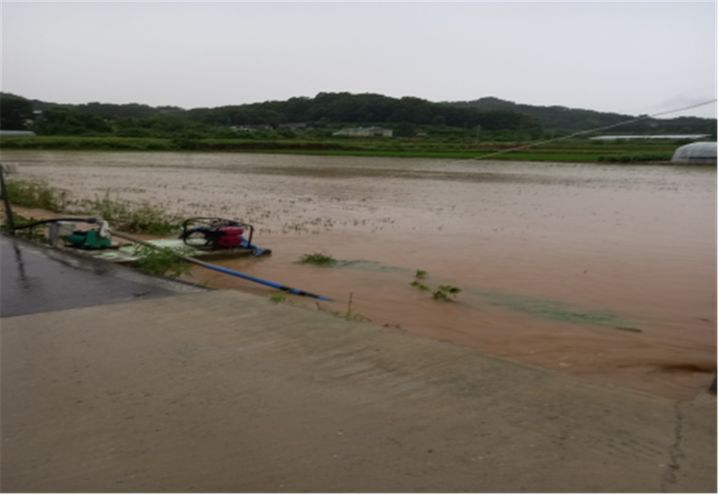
(225, 391)
(35, 279)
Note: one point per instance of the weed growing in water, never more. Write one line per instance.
(446, 292)
(161, 261)
(419, 285)
(419, 275)
(319, 259)
(441, 293)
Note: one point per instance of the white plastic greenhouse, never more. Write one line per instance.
(700, 152)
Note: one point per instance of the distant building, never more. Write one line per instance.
(295, 126)
(16, 133)
(627, 137)
(364, 132)
(700, 152)
(251, 128)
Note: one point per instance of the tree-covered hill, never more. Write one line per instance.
(565, 120)
(321, 115)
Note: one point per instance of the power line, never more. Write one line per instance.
(589, 131)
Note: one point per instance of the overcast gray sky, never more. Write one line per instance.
(625, 57)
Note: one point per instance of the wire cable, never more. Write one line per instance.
(589, 131)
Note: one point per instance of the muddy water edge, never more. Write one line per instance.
(608, 272)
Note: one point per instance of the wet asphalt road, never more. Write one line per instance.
(34, 279)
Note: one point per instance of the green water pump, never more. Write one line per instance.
(90, 239)
(97, 238)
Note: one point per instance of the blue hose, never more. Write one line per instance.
(228, 271)
(262, 281)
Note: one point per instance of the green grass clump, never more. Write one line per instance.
(420, 275)
(162, 261)
(319, 259)
(278, 297)
(35, 195)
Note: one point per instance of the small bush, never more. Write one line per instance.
(420, 275)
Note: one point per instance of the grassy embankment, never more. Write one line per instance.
(580, 150)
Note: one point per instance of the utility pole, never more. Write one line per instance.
(9, 220)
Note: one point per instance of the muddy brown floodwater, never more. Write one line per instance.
(608, 272)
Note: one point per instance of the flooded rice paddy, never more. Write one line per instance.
(607, 272)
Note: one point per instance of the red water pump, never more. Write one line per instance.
(210, 234)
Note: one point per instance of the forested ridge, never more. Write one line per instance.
(323, 114)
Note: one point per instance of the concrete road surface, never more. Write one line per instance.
(223, 391)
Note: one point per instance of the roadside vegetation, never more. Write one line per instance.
(123, 215)
(35, 195)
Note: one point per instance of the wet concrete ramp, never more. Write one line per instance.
(36, 279)
(225, 391)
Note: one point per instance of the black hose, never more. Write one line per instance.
(53, 220)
